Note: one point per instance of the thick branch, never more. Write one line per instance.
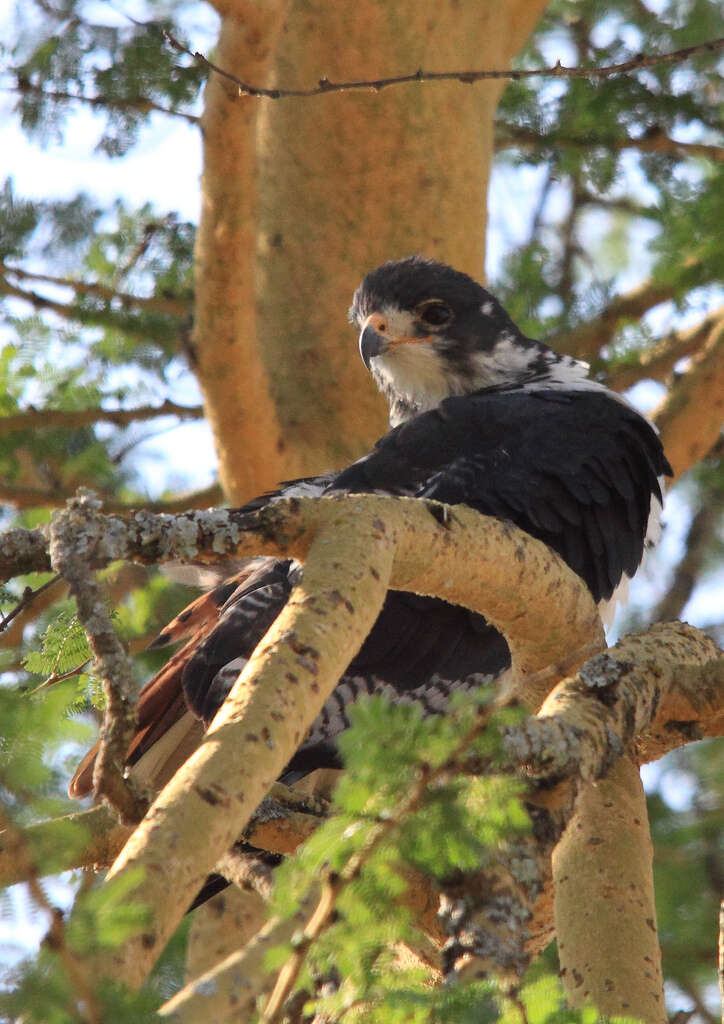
(21, 552)
(287, 681)
(603, 880)
(229, 990)
(658, 361)
(283, 821)
(587, 339)
(690, 418)
(434, 558)
(656, 690)
(664, 690)
(270, 708)
(609, 694)
(74, 419)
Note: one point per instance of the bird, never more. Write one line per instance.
(480, 415)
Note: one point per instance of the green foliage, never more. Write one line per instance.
(36, 730)
(603, 147)
(688, 859)
(18, 220)
(45, 990)
(126, 71)
(461, 822)
(63, 646)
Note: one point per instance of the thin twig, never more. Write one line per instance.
(58, 677)
(156, 303)
(466, 77)
(658, 360)
(138, 104)
(28, 597)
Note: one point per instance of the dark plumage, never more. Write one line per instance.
(485, 417)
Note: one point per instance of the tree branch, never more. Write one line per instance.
(75, 419)
(690, 418)
(85, 1005)
(334, 884)
(288, 526)
(139, 104)
(28, 596)
(658, 361)
(617, 695)
(21, 552)
(155, 303)
(282, 821)
(587, 339)
(72, 538)
(656, 690)
(215, 995)
(699, 537)
(656, 141)
(466, 77)
(260, 724)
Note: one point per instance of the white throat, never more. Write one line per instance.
(415, 377)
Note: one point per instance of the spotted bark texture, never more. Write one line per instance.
(604, 911)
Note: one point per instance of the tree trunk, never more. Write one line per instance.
(231, 373)
(343, 183)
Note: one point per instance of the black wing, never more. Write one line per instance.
(576, 469)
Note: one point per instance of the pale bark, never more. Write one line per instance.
(229, 990)
(221, 927)
(690, 419)
(604, 910)
(229, 365)
(94, 838)
(295, 668)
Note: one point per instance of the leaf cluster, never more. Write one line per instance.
(462, 821)
(619, 198)
(127, 71)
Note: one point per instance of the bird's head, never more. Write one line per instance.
(428, 331)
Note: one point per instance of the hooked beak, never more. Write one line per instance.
(378, 336)
(371, 344)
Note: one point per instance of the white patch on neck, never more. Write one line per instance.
(507, 362)
(415, 373)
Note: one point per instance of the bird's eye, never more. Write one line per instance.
(434, 313)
